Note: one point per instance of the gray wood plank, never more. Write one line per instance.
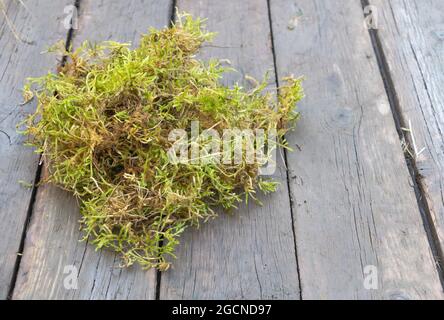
(52, 242)
(251, 254)
(353, 198)
(39, 27)
(412, 37)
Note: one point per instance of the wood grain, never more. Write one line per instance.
(20, 58)
(353, 197)
(52, 242)
(412, 37)
(249, 255)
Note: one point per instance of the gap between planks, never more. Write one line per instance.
(25, 229)
(400, 122)
(273, 52)
(159, 273)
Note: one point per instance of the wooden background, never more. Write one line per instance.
(350, 196)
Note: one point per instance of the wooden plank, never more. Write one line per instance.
(353, 198)
(249, 255)
(39, 27)
(412, 37)
(52, 243)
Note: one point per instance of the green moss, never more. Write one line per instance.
(102, 124)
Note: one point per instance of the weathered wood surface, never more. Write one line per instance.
(353, 199)
(353, 196)
(251, 254)
(52, 242)
(20, 58)
(412, 37)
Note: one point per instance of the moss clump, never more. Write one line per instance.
(103, 123)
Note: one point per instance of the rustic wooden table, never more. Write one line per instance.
(353, 205)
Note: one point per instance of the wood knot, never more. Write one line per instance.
(341, 119)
